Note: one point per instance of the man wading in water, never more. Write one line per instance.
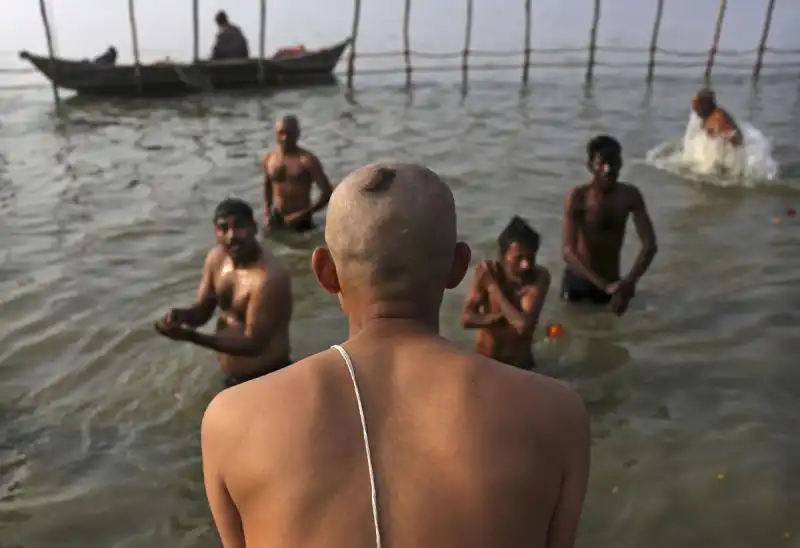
(716, 120)
(254, 294)
(595, 216)
(457, 449)
(507, 297)
(289, 174)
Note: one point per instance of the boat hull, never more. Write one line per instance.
(160, 79)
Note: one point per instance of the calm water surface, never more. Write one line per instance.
(105, 219)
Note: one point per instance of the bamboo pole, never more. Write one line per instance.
(527, 52)
(712, 53)
(262, 41)
(196, 29)
(137, 68)
(467, 43)
(651, 65)
(50, 51)
(762, 46)
(593, 41)
(407, 41)
(351, 60)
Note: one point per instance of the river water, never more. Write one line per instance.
(105, 219)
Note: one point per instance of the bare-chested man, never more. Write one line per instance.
(285, 458)
(595, 218)
(289, 174)
(716, 120)
(507, 297)
(254, 294)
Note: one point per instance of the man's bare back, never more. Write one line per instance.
(290, 172)
(466, 451)
(253, 293)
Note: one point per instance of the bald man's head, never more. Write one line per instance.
(287, 131)
(391, 230)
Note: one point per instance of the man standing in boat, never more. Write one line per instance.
(289, 175)
(231, 43)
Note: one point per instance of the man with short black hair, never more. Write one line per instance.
(253, 292)
(595, 219)
(507, 297)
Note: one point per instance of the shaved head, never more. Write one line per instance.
(288, 122)
(287, 131)
(391, 230)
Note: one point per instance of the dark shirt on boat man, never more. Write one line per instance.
(595, 218)
(231, 43)
(507, 297)
(457, 450)
(289, 175)
(253, 291)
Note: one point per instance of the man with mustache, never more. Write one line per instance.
(507, 296)
(595, 218)
(254, 294)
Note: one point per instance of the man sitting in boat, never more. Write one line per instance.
(716, 121)
(231, 43)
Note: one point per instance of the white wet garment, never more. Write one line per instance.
(373, 487)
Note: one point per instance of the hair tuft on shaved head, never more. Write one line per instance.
(391, 228)
(381, 180)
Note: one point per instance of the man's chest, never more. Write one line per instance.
(283, 170)
(231, 289)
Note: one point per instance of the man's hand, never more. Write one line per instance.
(292, 218)
(486, 272)
(621, 294)
(172, 330)
(177, 316)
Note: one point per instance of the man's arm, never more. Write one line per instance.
(206, 301)
(524, 319)
(472, 316)
(647, 237)
(267, 310)
(566, 517)
(569, 231)
(267, 187)
(323, 183)
(214, 433)
(732, 131)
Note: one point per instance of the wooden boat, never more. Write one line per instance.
(166, 78)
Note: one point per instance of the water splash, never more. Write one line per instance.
(699, 156)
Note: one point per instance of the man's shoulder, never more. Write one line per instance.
(272, 273)
(555, 397)
(543, 275)
(215, 256)
(577, 194)
(630, 192)
(307, 155)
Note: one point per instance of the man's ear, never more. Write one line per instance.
(325, 271)
(461, 259)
